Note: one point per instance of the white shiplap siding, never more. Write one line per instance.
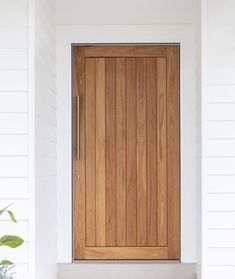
(220, 140)
(14, 127)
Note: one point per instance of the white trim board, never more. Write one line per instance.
(82, 34)
(31, 139)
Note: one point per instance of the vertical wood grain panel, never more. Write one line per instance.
(110, 83)
(161, 152)
(126, 201)
(131, 167)
(173, 151)
(79, 165)
(151, 151)
(141, 152)
(100, 152)
(90, 153)
(121, 151)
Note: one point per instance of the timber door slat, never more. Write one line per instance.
(110, 153)
(141, 152)
(79, 166)
(126, 181)
(121, 150)
(90, 153)
(161, 152)
(131, 166)
(151, 152)
(173, 152)
(100, 152)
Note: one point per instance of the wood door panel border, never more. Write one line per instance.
(126, 253)
(126, 50)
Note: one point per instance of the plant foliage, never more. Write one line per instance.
(12, 241)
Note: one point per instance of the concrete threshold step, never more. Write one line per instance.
(127, 270)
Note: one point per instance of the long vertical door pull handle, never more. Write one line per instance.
(78, 128)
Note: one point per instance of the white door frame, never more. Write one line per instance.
(82, 34)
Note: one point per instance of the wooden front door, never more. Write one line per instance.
(126, 151)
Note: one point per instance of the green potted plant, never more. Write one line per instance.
(12, 241)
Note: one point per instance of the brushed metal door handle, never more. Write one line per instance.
(78, 128)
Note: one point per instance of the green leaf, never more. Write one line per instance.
(4, 210)
(12, 216)
(6, 262)
(12, 241)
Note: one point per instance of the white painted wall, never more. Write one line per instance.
(45, 140)
(122, 16)
(14, 130)
(28, 112)
(76, 12)
(218, 103)
(28, 133)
